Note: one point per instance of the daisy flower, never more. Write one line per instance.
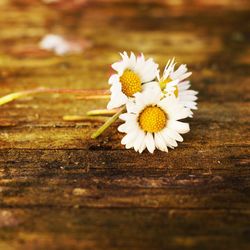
(153, 122)
(132, 73)
(174, 82)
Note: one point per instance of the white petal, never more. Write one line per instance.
(151, 86)
(185, 76)
(127, 117)
(116, 87)
(183, 86)
(179, 72)
(113, 79)
(152, 96)
(148, 70)
(140, 99)
(180, 127)
(169, 68)
(181, 113)
(125, 57)
(139, 140)
(117, 101)
(128, 138)
(150, 144)
(160, 143)
(142, 147)
(130, 143)
(119, 66)
(126, 127)
(188, 97)
(166, 142)
(173, 83)
(168, 139)
(190, 92)
(132, 107)
(132, 61)
(174, 135)
(189, 104)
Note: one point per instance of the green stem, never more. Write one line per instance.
(107, 123)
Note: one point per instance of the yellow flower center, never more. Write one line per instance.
(163, 84)
(131, 83)
(152, 119)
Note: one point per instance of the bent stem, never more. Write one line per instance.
(13, 96)
(84, 92)
(112, 119)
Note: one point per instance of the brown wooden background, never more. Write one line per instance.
(61, 190)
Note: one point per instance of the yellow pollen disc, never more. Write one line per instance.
(131, 83)
(163, 84)
(152, 119)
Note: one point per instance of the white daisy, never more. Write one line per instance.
(132, 74)
(152, 122)
(174, 82)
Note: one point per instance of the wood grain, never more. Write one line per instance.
(59, 189)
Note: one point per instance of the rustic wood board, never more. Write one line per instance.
(61, 190)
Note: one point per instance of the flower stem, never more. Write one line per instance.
(102, 112)
(112, 119)
(73, 118)
(13, 96)
(87, 93)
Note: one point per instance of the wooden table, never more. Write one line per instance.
(59, 189)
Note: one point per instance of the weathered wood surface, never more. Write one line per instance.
(61, 190)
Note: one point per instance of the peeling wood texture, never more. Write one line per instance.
(61, 190)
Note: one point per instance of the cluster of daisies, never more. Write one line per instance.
(153, 103)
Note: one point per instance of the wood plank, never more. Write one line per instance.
(207, 178)
(61, 190)
(78, 136)
(121, 228)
